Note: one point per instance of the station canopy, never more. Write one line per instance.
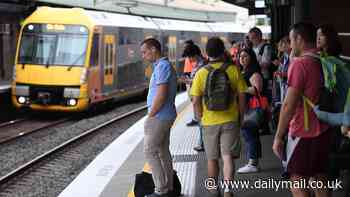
(197, 10)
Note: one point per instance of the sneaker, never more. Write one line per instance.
(192, 123)
(249, 168)
(198, 148)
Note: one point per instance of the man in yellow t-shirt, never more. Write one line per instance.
(220, 128)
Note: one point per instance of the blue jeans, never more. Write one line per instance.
(200, 139)
(252, 142)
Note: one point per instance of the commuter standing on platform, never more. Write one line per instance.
(161, 115)
(263, 52)
(188, 69)
(220, 125)
(308, 145)
(194, 53)
(252, 76)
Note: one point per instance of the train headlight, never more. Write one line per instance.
(71, 92)
(83, 76)
(21, 99)
(22, 90)
(72, 102)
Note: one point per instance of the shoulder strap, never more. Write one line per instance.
(257, 94)
(224, 66)
(313, 55)
(306, 101)
(208, 67)
(261, 51)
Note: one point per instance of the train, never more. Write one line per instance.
(69, 59)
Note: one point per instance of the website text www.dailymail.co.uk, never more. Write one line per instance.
(271, 184)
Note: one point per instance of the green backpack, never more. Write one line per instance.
(336, 82)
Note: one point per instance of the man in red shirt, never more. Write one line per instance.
(308, 144)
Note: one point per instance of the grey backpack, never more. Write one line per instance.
(218, 93)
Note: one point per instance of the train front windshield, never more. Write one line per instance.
(53, 44)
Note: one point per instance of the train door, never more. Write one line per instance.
(172, 50)
(94, 78)
(109, 61)
(204, 40)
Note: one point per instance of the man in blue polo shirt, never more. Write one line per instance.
(161, 115)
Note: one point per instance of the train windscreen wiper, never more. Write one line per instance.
(47, 64)
(75, 61)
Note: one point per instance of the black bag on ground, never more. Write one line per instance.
(144, 184)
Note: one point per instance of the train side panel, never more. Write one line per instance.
(122, 71)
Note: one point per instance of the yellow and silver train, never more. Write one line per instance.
(69, 59)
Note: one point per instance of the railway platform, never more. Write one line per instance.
(112, 173)
(5, 87)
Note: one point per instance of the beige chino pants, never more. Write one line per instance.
(157, 153)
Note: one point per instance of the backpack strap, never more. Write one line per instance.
(313, 55)
(209, 68)
(306, 101)
(257, 94)
(224, 66)
(261, 51)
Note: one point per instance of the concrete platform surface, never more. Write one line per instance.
(110, 176)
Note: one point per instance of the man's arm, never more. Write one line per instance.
(159, 99)
(197, 107)
(286, 114)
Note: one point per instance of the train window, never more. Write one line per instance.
(64, 47)
(172, 48)
(108, 60)
(27, 49)
(45, 47)
(71, 50)
(110, 57)
(204, 40)
(165, 46)
(129, 35)
(94, 57)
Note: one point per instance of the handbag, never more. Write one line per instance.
(144, 184)
(254, 116)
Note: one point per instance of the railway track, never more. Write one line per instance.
(17, 128)
(51, 160)
(11, 122)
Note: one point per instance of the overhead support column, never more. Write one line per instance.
(301, 11)
(280, 19)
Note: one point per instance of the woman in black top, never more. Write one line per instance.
(252, 76)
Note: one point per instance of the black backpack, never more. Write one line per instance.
(144, 184)
(218, 93)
